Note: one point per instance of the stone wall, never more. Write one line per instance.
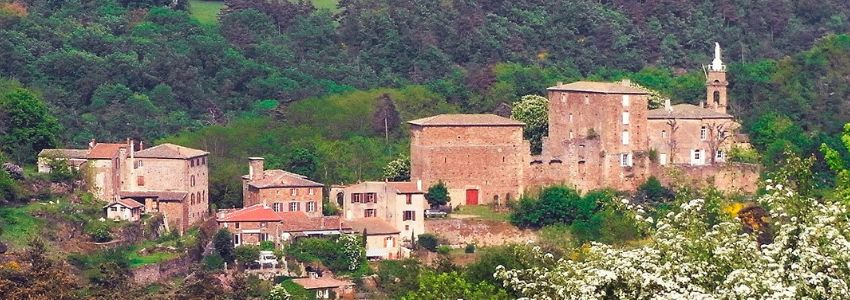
(459, 232)
(156, 272)
(284, 195)
(687, 138)
(729, 178)
(489, 159)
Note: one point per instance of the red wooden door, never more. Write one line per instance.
(471, 197)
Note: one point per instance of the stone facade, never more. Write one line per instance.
(601, 135)
(169, 179)
(281, 190)
(481, 158)
(401, 204)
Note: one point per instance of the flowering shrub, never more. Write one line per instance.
(694, 256)
(279, 292)
(352, 250)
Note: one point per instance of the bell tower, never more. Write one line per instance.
(716, 83)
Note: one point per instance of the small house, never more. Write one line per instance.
(124, 209)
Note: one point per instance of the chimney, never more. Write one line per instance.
(419, 185)
(132, 147)
(255, 168)
(702, 104)
(141, 145)
(92, 143)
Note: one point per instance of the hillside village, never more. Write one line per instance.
(601, 135)
(424, 150)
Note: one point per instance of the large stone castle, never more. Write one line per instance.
(601, 134)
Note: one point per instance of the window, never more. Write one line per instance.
(311, 192)
(703, 133)
(571, 134)
(409, 215)
(718, 154)
(625, 137)
(370, 213)
(294, 206)
(664, 134)
(626, 160)
(697, 154)
(311, 206)
(191, 162)
(140, 180)
(571, 117)
(193, 199)
(192, 181)
(406, 227)
(371, 198)
(662, 158)
(293, 192)
(277, 206)
(626, 100)
(586, 99)
(236, 225)
(204, 160)
(114, 208)
(626, 118)
(236, 238)
(356, 198)
(409, 198)
(137, 164)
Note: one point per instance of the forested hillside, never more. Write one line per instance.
(300, 84)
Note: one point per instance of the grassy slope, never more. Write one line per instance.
(206, 11)
(18, 225)
(483, 212)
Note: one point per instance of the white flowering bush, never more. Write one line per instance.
(279, 292)
(352, 249)
(398, 169)
(698, 252)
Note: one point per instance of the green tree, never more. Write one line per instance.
(556, 204)
(438, 194)
(26, 125)
(246, 254)
(453, 285)
(533, 110)
(223, 244)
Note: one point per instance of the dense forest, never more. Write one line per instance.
(301, 85)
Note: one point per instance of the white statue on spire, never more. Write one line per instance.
(717, 64)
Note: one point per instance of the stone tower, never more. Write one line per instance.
(716, 83)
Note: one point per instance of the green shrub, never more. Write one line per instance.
(742, 155)
(652, 192)
(438, 194)
(556, 205)
(246, 254)
(443, 249)
(267, 245)
(397, 277)
(344, 254)
(213, 262)
(99, 231)
(470, 248)
(428, 241)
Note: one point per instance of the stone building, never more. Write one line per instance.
(601, 135)
(281, 190)
(481, 158)
(401, 204)
(124, 209)
(169, 179)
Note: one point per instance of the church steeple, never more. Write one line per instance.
(716, 83)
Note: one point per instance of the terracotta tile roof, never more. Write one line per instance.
(161, 195)
(129, 203)
(105, 150)
(254, 213)
(373, 226)
(281, 178)
(405, 187)
(598, 87)
(686, 111)
(466, 120)
(321, 282)
(65, 153)
(298, 221)
(170, 151)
